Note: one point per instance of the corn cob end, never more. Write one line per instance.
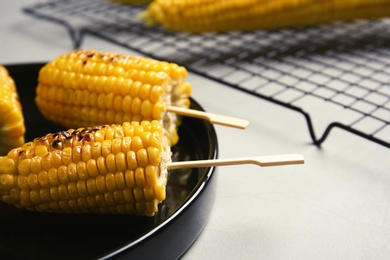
(12, 128)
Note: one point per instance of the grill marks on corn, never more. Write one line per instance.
(87, 87)
(106, 169)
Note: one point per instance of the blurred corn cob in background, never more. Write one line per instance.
(227, 15)
(86, 88)
(113, 169)
(12, 127)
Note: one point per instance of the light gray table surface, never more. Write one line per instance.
(335, 206)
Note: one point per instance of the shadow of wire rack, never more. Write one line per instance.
(338, 71)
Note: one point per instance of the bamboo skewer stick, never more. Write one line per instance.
(212, 118)
(263, 161)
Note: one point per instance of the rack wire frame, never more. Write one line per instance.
(339, 65)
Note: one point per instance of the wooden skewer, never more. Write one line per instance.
(264, 161)
(212, 118)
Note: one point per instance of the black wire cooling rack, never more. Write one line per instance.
(340, 71)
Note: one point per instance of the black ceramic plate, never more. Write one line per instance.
(181, 218)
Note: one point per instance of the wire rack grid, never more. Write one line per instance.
(338, 72)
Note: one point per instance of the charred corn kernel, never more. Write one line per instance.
(12, 127)
(87, 87)
(227, 15)
(122, 179)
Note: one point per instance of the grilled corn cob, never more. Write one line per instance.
(227, 15)
(12, 127)
(86, 87)
(117, 169)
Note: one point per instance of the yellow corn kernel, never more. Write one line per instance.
(120, 179)
(120, 161)
(101, 164)
(57, 193)
(140, 180)
(159, 191)
(110, 182)
(67, 155)
(92, 168)
(12, 128)
(151, 173)
(43, 179)
(24, 167)
(129, 178)
(45, 195)
(21, 182)
(128, 175)
(110, 162)
(32, 180)
(7, 180)
(220, 15)
(142, 157)
(119, 197)
(82, 188)
(62, 173)
(72, 172)
(87, 87)
(116, 145)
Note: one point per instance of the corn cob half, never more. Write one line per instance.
(87, 87)
(12, 127)
(227, 15)
(117, 169)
